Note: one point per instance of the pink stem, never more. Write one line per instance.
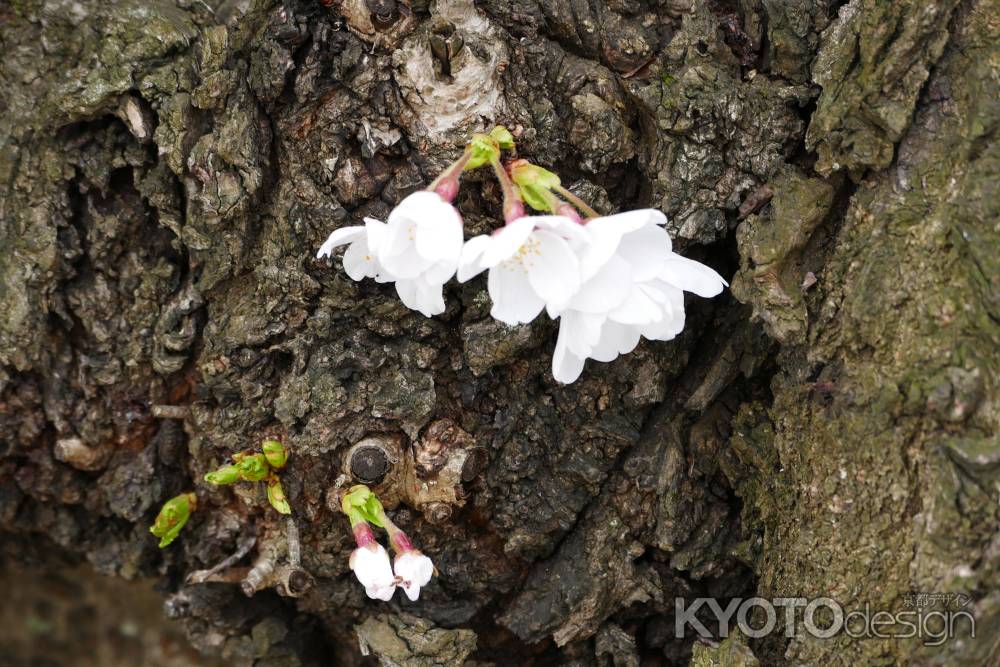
(401, 544)
(576, 201)
(513, 207)
(397, 538)
(363, 534)
(446, 184)
(568, 211)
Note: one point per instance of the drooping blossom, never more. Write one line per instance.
(413, 571)
(532, 265)
(632, 287)
(371, 565)
(418, 249)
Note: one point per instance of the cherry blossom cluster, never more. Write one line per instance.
(411, 569)
(609, 280)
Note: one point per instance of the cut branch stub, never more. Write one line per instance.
(372, 459)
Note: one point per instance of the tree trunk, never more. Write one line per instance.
(827, 428)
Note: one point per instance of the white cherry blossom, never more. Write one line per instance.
(632, 288)
(532, 265)
(418, 249)
(360, 259)
(372, 568)
(413, 571)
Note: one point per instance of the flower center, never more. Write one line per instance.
(524, 257)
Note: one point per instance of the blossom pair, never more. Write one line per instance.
(411, 569)
(610, 280)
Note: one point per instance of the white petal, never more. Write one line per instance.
(692, 276)
(375, 231)
(615, 339)
(420, 205)
(563, 227)
(566, 366)
(638, 308)
(383, 593)
(645, 250)
(640, 217)
(402, 260)
(469, 265)
(440, 273)
(607, 289)
(553, 269)
(505, 242)
(359, 263)
(431, 299)
(673, 319)
(580, 331)
(340, 237)
(372, 567)
(607, 232)
(440, 238)
(420, 296)
(414, 571)
(397, 250)
(656, 290)
(514, 300)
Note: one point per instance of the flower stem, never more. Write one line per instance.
(568, 211)
(363, 534)
(576, 201)
(513, 207)
(446, 184)
(399, 540)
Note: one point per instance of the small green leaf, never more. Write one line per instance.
(535, 197)
(484, 150)
(503, 137)
(275, 453)
(276, 496)
(360, 502)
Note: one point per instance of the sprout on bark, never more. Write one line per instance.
(257, 467)
(172, 517)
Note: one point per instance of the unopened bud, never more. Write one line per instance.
(526, 174)
(172, 517)
(275, 453)
(276, 496)
(253, 468)
(227, 474)
(360, 504)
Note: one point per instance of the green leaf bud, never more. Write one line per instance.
(275, 453)
(276, 496)
(227, 474)
(253, 468)
(172, 517)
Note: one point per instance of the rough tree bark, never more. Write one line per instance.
(829, 428)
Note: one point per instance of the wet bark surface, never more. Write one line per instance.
(827, 428)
